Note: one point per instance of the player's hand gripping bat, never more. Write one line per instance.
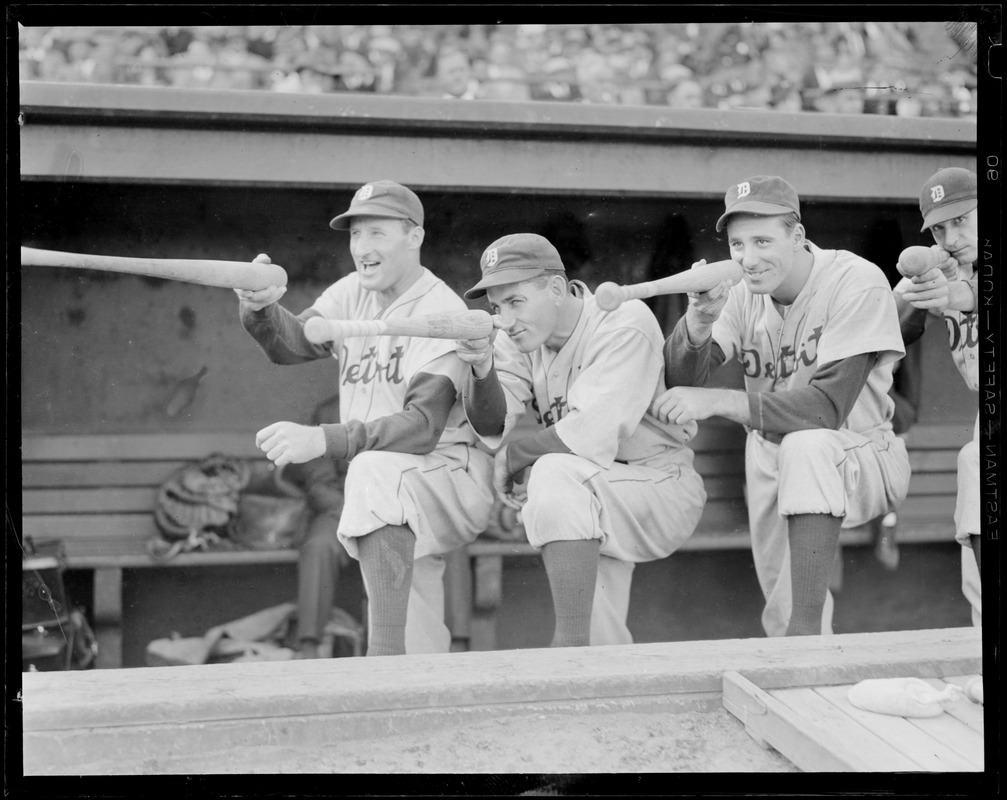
(224, 274)
(916, 260)
(699, 279)
(459, 325)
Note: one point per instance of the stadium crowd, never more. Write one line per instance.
(905, 69)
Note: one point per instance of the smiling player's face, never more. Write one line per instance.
(383, 252)
(767, 253)
(528, 313)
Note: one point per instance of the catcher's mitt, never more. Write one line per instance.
(201, 499)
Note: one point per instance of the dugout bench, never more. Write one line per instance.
(96, 493)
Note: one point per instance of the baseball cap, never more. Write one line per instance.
(381, 199)
(948, 193)
(515, 258)
(761, 194)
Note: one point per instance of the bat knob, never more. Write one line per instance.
(608, 296)
(317, 331)
(916, 260)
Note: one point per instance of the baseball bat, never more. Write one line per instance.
(916, 260)
(459, 325)
(698, 279)
(224, 274)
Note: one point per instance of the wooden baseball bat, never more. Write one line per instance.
(916, 260)
(459, 325)
(225, 274)
(699, 279)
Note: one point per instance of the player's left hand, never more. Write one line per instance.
(503, 482)
(929, 290)
(291, 443)
(682, 404)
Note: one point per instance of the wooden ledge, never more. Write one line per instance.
(164, 719)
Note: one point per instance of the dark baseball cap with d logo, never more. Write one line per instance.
(949, 193)
(381, 199)
(515, 258)
(767, 195)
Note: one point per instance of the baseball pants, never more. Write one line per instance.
(967, 504)
(445, 498)
(972, 585)
(818, 471)
(637, 513)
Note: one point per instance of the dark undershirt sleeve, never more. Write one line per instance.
(525, 452)
(686, 364)
(912, 321)
(824, 403)
(280, 334)
(485, 404)
(415, 429)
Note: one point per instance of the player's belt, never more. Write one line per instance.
(775, 438)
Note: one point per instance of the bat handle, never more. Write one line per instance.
(318, 331)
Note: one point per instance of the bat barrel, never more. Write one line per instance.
(916, 260)
(223, 274)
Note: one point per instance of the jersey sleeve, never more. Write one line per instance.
(688, 364)
(415, 429)
(280, 334)
(824, 403)
(863, 318)
(617, 381)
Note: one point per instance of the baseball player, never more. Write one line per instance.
(949, 204)
(417, 486)
(816, 332)
(605, 484)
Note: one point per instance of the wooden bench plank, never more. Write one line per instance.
(98, 473)
(966, 711)
(137, 446)
(955, 734)
(71, 527)
(89, 501)
(944, 436)
(900, 733)
(806, 733)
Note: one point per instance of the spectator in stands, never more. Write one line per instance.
(384, 53)
(560, 81)
(686, 94)
(596, 78)
(618, 63)
(356, 73)
(454, 74)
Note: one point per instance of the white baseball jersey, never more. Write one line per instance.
(597, 389)
(375, 371)
(846, 308)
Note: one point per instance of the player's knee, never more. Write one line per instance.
(549, 480)
(366, 469)
(811, 445)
